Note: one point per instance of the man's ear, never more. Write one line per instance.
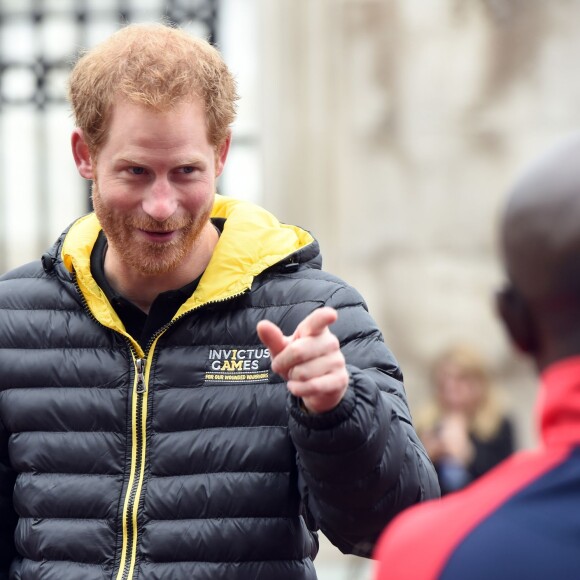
(518, 319)
(81, 154)
(222, 154)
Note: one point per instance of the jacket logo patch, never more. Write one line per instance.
(237, 365)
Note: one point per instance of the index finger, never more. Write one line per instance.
(316, 322)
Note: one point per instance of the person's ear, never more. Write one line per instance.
(81, 154)
(222, 155)
(518, 319)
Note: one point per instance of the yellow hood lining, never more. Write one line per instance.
(252, 241)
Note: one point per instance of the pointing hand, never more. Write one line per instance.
(310, 360)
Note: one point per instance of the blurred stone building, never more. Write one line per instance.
(392, 129)
(389, 128)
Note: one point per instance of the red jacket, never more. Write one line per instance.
(521, 520)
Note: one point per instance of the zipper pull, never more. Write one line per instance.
(141, 388)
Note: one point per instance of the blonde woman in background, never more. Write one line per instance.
(464, 429)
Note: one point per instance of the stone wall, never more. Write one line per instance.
(392, 129)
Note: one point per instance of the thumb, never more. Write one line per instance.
(272, 337)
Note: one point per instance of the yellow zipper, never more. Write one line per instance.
(139, 448)
(138, 453)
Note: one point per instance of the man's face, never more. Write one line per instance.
(154, 184)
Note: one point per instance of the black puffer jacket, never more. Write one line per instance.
(191, 460)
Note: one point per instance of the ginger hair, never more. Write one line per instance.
(154, 65)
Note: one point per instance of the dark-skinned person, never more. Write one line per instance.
(184, 393)
(520, 520)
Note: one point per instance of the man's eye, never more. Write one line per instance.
(187, 169)
(137, 170)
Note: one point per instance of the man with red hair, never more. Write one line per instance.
(184, 393)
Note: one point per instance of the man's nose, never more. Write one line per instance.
(161, 200)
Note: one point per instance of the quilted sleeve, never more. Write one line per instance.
(361, 463)
(7, 515)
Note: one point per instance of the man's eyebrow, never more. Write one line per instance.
(127, 161)
(177, 163)
(190, 161)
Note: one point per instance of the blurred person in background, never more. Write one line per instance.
(520, 520)
(184, 393)
(464, 429)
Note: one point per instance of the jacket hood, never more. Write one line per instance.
(252, 241)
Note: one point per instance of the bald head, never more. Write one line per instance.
(540, 242)
(540, 230)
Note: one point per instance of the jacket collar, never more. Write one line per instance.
(558, 404)
(252, 241)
